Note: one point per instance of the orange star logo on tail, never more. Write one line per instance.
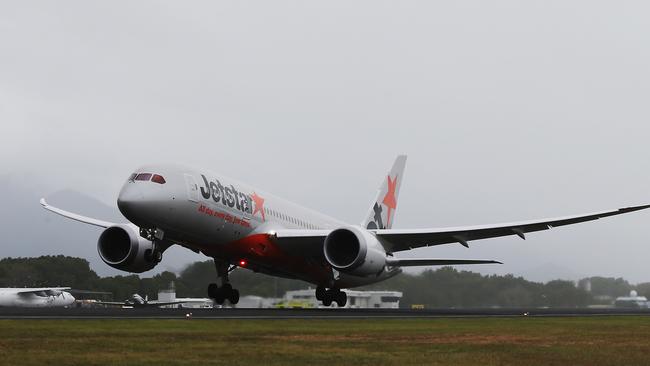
(259, 205)
(389, 199)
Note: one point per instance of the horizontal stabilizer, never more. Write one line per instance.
(406, 262)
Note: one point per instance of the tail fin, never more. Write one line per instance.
(382, 211)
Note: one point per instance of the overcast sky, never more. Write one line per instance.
(508, 110)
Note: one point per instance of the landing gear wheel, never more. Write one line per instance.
(227, 288)
(329, 296)
(320, 293)
(233, 297)
(153, 255)
(341, 298)
(212, 290)
(327, 300)
(157, 256)
(220, 298)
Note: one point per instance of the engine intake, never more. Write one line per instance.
(355, 251)
(121, 247)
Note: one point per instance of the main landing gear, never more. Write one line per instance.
(225, 292)
(327, 296)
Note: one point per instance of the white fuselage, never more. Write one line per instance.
(219, 216)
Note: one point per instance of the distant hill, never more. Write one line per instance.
(30, 231)
(548, 272)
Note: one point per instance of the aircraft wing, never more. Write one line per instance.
(310, 242)
(395, 240)
(406, 262)
(34, 290)
(77, 217)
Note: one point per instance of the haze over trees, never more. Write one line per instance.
(440, 288)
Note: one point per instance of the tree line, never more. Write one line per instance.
(445, 287)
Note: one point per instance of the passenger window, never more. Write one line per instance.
(143, 176)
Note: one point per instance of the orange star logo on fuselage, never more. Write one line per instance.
(259, 205)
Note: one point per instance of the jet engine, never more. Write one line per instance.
(123, 248)
(354, 251)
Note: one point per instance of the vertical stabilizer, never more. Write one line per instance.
(382, 210)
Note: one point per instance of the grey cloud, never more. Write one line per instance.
(508, 110)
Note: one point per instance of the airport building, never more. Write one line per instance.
(633, 301)
(169, 295)
(257, 302)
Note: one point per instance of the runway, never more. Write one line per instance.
(233, 313)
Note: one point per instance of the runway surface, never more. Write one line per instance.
(230, 313)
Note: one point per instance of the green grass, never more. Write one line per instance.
(487, 341)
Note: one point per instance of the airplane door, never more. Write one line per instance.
(192, 188)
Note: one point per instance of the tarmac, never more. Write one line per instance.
(320, 313)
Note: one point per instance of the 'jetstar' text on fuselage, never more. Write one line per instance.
(228, 196)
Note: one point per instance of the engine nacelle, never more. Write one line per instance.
(123, 248)
(355, 251)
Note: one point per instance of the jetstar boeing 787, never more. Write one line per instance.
(241, 226)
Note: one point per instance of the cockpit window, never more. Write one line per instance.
(132, 177)
(158, 179)
(143, 176)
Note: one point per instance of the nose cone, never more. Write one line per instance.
(146, 203)
(130, 201)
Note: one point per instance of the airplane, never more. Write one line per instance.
(240, 226)
(137, 301)
(36, 297)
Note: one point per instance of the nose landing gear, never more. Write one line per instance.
(225, 292)
(153, 255)
(156, 236)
